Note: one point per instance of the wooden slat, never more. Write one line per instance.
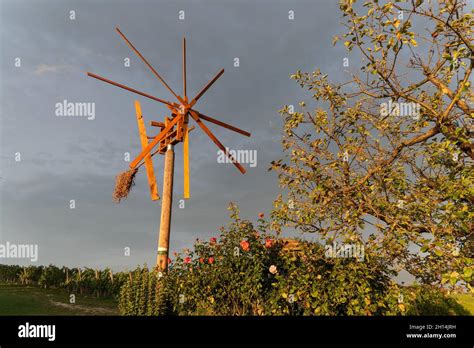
(165, 140)
(206, 87)
(186, 162)
(184, 69)
(130, 89)
(180, 129)
(150, 173)
(148, 64)
(223, 124)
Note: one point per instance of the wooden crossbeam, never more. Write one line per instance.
(153, 143)
(190, 129)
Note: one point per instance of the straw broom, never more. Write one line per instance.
(123, 184)
(125, 181)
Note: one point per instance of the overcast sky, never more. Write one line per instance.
(73, 158)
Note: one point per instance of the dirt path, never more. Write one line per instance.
(85, 309)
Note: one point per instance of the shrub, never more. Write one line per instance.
(426, 300)
(142, 294)
(248, 271)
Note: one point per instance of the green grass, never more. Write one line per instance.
(466, 300)
(30, 300)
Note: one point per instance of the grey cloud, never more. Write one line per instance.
(73, 158)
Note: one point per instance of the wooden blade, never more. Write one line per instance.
(153, 143)
(148, 64)
(130, 89)
(206, 87)
(150, 173)
(223, 124)
(206, 130)
(184, 68)
(186, 162)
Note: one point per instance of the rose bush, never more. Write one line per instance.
(246, 270)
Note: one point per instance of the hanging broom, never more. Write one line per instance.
(123, 184)
(125, 181)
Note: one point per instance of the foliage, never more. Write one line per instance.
(424, 300)
(248, 271)
(466, 300)
(143, 294)
(401, 183)
(102, 283)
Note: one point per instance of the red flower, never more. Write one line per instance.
(268, 243)
(213, 240)
(201, 260)
(245, 245)
(169, 260)
(211, 260)
(261, 215)
(187, 260)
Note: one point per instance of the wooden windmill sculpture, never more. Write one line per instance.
(173, 130)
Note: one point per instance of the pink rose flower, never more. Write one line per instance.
(245, 245)
(268, 243)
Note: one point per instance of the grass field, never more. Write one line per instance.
(466, 300)
(29, 300)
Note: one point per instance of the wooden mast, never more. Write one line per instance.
(166, 205)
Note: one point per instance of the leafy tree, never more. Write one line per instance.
(25, 275)
(364, 166)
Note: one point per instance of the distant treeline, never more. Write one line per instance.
(101, 283)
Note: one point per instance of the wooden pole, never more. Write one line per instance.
(166, 205)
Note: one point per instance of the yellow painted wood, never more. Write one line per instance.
(150, 173)
(186, 162)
